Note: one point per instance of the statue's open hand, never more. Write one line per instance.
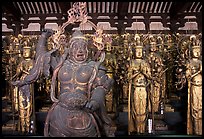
(17, 83)
(92, 105)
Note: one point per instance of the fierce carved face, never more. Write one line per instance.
(79, 51)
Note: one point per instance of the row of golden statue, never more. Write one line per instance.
(146, 68)
(89, 76)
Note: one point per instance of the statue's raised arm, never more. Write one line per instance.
(42, 62)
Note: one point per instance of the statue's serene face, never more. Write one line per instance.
(26, 53)
(153, 48)
(139, 53)
(196, 52)
(79, 51)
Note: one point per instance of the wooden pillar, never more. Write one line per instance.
(121, 27)
(16, 28)
(199, 22)
(147, 23)
(42, 23)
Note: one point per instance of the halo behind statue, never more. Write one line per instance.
(78, 13)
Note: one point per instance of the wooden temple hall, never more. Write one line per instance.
(152, 51)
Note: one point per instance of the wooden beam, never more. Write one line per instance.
(199, 21)
(65, 6)
(11, 11)
(108, 31)
(122, 12)
(178, 8)
(177, 15)
(122, 9)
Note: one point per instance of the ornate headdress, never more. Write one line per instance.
(195, 42)
(77, 35)
(137, 36)
(26, 43)
(137, 40)
(78, 13)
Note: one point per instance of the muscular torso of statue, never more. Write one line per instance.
(74, 79)
(73, 97)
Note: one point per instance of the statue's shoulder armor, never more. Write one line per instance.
(92, 64)
(102, 67)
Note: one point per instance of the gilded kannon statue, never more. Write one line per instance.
(194, 78)
(157, 71)
(110, 63)
(126, 57)
(23, 95)
(139, 74)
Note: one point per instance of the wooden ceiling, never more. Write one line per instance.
(17, 14)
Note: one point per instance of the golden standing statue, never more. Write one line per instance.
(25, 97)
(127, 55)
(139, 73)
(157, 71)
(17, 57)
(111, 65)
(194, 77)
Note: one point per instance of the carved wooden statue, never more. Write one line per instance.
(79, 110)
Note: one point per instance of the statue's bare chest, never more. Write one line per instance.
(75, 73)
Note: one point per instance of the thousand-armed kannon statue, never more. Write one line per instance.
(79, 110)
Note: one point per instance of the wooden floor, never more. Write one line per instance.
(172, 120)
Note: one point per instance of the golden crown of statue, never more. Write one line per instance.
(192, 37)
(159, 38)
(196, 43)
(196, 46)
(26, 43)
(137, 36)
(138, 47)
(137, 39)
